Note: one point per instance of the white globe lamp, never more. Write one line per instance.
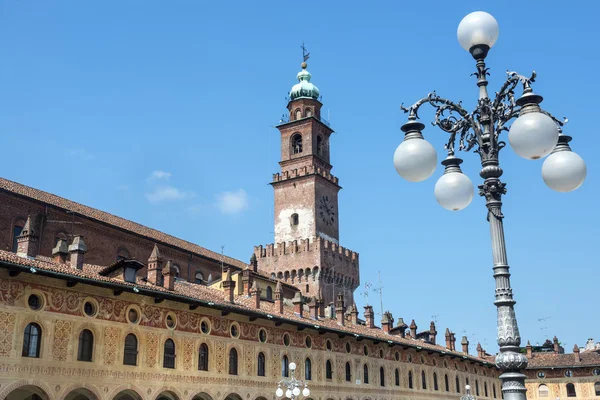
(564, 170)
(478, 29)
(454, 190)
(415, 159)
(533, 135)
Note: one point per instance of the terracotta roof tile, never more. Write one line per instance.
(546, 360)
(110, 219)
(242, 303)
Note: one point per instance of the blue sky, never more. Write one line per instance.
(163, 113)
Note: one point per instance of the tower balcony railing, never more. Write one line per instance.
(285, 119)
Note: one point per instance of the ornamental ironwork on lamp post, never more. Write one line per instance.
(534, 134)
(291, 387)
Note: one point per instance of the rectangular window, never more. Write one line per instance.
(16, 232)
(130, 274)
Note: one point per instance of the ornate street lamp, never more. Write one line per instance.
(468, 395)
(533, 135)
(292, 386)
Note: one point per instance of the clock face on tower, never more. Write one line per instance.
(326, 211)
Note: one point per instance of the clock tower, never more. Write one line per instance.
(306, 252)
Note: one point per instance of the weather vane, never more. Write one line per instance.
(305, 53)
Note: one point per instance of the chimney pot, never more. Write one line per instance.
(60, 251)
(77, 249)
(369, 317)
(465, 345)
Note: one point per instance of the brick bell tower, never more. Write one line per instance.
(306, 252)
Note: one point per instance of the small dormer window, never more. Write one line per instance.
(297, 144)
(130, 274)
(294, 219)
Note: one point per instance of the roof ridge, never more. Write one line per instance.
(119, 222)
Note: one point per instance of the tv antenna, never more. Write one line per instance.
(434, 318)
(366, 292)
(380, 290)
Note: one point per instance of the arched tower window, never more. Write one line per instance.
(131, 350)
(381, 376)
(298, 114)
(199, 277)
(485, 391)
(410, 380)
(423, 380)
(269, 293)
(571, 390)
(261, 364)
(294, 219)
(309, 112)
(176, 270)
(494, 390)
(169, 356)
(32, 340)
(397, 377)
(86, 345)
(366, 374)
(297, 144)
(446, 383)
(307, 369)
(328, 370)
(457, 385)
(233, 362)
(435, 382)
(203, 358)
(319, 145)
(477, 388)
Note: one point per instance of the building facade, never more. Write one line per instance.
(95, 307)
(553, 374)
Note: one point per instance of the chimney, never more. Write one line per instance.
(401, 327)
(448, 339)
(60, 251)
(313, 307)
(27, 241)
(353, 314)
(77, 249)
(576, 354)
(387, 322)
(479, 350)
(255, 292)
(453, 341)
(246, 281)
(432, 332)
(529, 350)
(279, 297)
(339, 309)
(155, 267)
(413, 329)
(465, 345)
(298, 302)
(556, 346)
(169, 273)
(229, 286)
(321, 303)
(253, 263)
(369, 317)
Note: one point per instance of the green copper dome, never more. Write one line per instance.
(304, 89)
